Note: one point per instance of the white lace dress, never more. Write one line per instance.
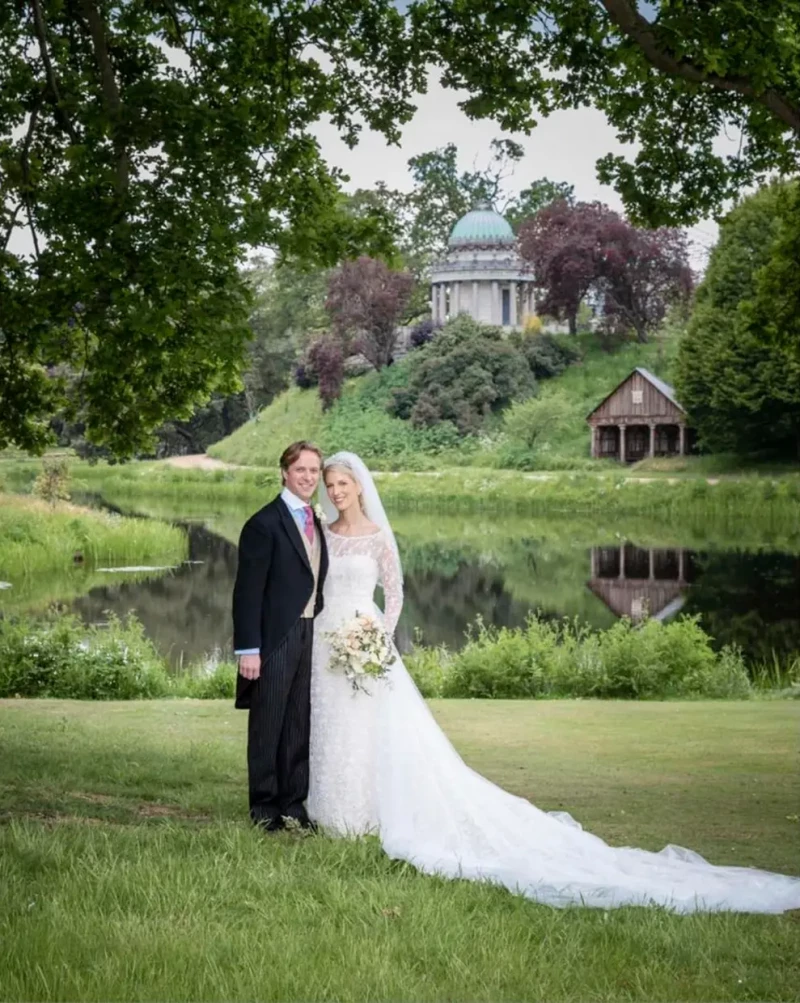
(380, 763)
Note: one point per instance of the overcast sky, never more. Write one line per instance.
(564, 147)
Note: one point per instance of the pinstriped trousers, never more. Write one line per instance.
(279, 727)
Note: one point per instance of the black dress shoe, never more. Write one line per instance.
(299, 822)
(269, 823)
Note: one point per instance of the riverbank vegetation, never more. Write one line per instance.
(36, 536)
(59, 657)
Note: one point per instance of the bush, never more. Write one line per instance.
(424, 332)
(467, 372)
(548, 355)
(564, 659)
(61, 657)
(52, 484)
(527, 423)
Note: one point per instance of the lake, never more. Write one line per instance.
(460, 568)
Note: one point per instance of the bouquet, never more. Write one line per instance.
(360, 649)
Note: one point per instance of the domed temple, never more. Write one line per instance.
(482, 274)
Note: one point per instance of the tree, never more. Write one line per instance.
(143, 146)
(466, 373)
(562, 243)
(641, 273)
(366, 301)
(636, 273)
(326, 357)
(670, 76)
(739, 381)
(537, 196)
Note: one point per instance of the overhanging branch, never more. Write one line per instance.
(627, 18)
(52, 81)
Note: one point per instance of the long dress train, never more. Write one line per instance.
(380, 763)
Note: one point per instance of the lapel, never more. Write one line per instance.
(293, 531)
(323, 548)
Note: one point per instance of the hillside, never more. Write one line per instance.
(359, 420)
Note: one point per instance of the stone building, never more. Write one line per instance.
(482, 274)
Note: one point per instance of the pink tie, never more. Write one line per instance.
(308, 516)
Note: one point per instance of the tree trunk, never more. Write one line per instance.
(572, 320)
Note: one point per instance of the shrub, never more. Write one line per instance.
(467, 372)
(547, 354)
(528, 422)
(326, 356)
(424, 332)
(59, 656)
(52, 484)
(305, 377)
(564, 659)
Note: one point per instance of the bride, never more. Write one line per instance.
(381, 764)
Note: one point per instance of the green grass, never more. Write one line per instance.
(129, 872)
(359, 421)
(36, 536)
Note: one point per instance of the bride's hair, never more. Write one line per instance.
(344, 467)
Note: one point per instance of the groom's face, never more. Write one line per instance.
(302, 477)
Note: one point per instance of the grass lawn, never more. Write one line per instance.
(129, 873)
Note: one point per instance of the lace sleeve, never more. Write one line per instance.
(392, 581)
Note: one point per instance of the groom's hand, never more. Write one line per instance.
(250, 666)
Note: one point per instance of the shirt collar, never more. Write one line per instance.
(292, 500)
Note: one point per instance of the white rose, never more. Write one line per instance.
(319, 513)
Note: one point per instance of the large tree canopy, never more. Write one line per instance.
(143, 145)
(739, 365)
(670, 75)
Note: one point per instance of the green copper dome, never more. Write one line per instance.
(481, 226)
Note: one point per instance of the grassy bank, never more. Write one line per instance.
(36, 537)
(726, 503)
(129, 872)
(359, 421)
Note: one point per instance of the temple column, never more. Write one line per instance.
(622, 444)
(442, 302)
(497, 315)
(475, 300)
(455, 298)
(434, 303)
(512, 319)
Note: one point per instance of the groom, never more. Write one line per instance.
(283, 561)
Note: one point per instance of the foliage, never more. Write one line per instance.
(669, 77)
(737, 376)
(288, 311)
(326, 360)
(637, 274)
(143, 148)
(60, 657)
(548, 355)
(366, 301)
(550, 658)
(528, 422)
(641, 274)
(36, 536)
(424, 332)
(52, 484)
(465, 374)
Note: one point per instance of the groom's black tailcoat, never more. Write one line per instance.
(274, 583)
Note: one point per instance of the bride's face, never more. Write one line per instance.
(343, 489)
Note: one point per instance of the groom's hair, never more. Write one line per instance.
(291, 453)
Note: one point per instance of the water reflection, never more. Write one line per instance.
(456, 572)
(641, 581)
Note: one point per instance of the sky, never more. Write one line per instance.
(563, 147)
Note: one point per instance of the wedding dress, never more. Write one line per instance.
(381, 764)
